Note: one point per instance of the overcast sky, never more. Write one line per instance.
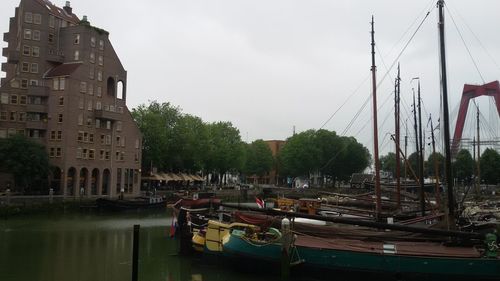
(268, 66)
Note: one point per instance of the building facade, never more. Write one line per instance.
(65, 87)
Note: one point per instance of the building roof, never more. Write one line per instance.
(65, 69)
(58, 12)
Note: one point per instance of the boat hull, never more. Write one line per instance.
(123, 205)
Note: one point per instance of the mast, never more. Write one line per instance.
(406, 148)
(421, 154)
(375, 129)
(478, 186)
(436, 167)
(416, 135)
(397, 140)
(446, 114)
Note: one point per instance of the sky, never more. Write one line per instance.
(270, 67)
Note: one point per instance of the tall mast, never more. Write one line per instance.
(420, 153)
(406, 148)
(416, 135)
(397, 132)
(478, 188)
(436, 167)
(375, 129)
(446, 114)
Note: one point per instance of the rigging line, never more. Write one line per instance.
(405, 46)
(344, 103)
(477, 38)
(465, 44)
(344, 132)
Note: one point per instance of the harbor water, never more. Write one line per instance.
(95, 247)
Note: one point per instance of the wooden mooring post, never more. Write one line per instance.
(286, 240)
(135, 253)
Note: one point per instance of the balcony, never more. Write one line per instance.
(108, 115)
(6, 37)
(39, 108)
(56, 58)
(12, 56)
(40, 91)
(36, 125)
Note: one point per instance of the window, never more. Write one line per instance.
(91, 89)
(13, 116)
(62, 83)
(35, 51)
(89, 105)
(4, 98)
(51, 38)
(77, 55)
(85, 153)
(99, 75)
(101, 45)
(52, 152)
(89, 122)
(13, 99)
(37, 19)
(101, 154)
(12, 132)
(91, 153)
(55, 84)
(99, 91)
(61, 100)
(108, 139)
(26, 50)
(33, 82)
(3, 133)
(25, 67)
(23, 99)
(80, 103)
(92, 41)
(52, 135)
(59, 118)
(118, 140)
(98, 105)
(59, 135)
(80, 136)
(14, 83)
(52, 21)
(80, 119)
(137, 144)
(3, 115)
(108, 125)
(58, 152)
(79, 153)
(83, 87)
(119, 126)
(24, 83)
(34, 67)
(107, 155)
(27, 34)
(36, 35)
(76, 39)
(85, 137)
(20, 132)
(28, 17)
(91, 72)
(101, 60)
(92, 57)
(91, 138)
(21, 116)
(98, 123)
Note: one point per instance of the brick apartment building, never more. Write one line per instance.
(273, 177)
(65, 87)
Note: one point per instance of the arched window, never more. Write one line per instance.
(120, 90)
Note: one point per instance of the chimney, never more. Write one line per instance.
(68, 8)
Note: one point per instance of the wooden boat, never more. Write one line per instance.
(405, 260)
(131, 204)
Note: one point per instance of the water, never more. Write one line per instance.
(83, 247)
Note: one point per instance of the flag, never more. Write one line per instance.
(260, 202)
(173, 227)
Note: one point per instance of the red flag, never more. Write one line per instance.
(260, 202)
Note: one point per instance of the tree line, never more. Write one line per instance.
(463, 166)
(174, 141)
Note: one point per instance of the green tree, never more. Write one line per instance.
(26, 160)
(388, 163)
(299, 156)
(226, 151)
(463, 167)
(259, 158)
(490, 166)
(430, 168)
(156, 122)
(354, 158)
(189, 145)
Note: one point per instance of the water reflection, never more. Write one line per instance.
(98, 247)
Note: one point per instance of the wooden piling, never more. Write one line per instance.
(135, 253)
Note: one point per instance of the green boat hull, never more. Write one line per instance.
(399, 266)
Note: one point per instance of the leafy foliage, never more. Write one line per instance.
(26, 160)
(490, 166)
(463, 167)
(259, 158)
